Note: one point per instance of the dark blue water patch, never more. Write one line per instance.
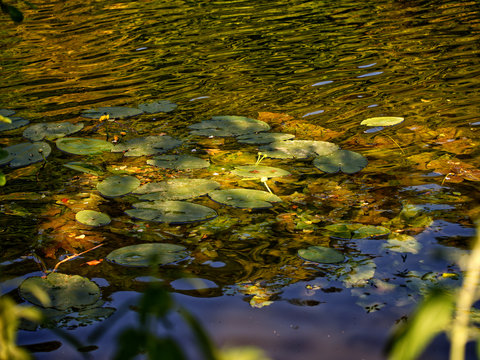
(367, 65)
(370, 74)
(323, 83)
(314, 113)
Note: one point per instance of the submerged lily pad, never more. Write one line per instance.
(118, 185)
(64, 291)
(177, 189)
(259, 171)
(92, 218)
(26, 153)
(264, 138)
(356, 231)
(158, 106)
(114, 112)
(85, 168)
(83, 146)
(172, 212)
(321, 254)
(50, 131)
(244, 198)
(149, 145)
(382, 121)
(346, 161)
(6, 112)
(179, 162)
(228, 126)
(299, 149)
(15, 123)
(148, 254)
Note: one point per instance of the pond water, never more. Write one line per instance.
(313, 69)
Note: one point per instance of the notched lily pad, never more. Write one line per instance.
(148, 254)
(356, 231)
(176, 189)
(92, 218)
(298, 149)
(228, 126)
(83, 146)
(114, 112)
(118, 185)
(26, 153)
(244, 198)
(16, 122)
(158, 106)
(264, 138)
(346, 161)
(51, 131)
(85, 168)
(149, 145)
(259, 171)
(382, 121)
(321, 254)
(178, 162)
(172, 212)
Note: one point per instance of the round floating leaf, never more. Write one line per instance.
(114, 112)
(15, 123)
(356, 231)
(179, 162)
(64, 291)
(299, 149)
(321, 254)
(346, 161)
(50, 131)
(259, 171)
(228, 126)
(92, 218)
(83, 146)
(177, 189)
(85, 168)
(118, 185)
(26, 153)
(148, 254)
(382, 121)
(158, 106)
(6, 112)
(244, 198)
(264, 138)
(148, 145)
(172, 212)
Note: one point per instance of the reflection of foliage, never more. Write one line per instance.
(15, 14)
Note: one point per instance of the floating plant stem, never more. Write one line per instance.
(264, 181)
(391, 138)
(68, 258)
(40, 151)
(260, 157)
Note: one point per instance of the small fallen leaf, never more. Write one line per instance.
(94, 262)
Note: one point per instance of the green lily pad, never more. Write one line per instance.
(356, 231)
(299, 149)
(244, 198)
(158, 106)
(114, 112)
(83, 146)
(50, 131)
(149, 145)
(179, 162)
(26, 153)
(15, 123)
(346, 161)
(148, 254)
(259, 171)
(321, 254)
(264, 138)
(176, 189)
(172, 212)
(228, 126)
(402, 243)
(6, 112)
(92, 218)
(382, 121)
(118, 185)
(85, 168)
(64, 291)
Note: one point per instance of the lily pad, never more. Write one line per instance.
(64, 291)
(259, 171)
(92, 218)
(346, 161)
(176, 189)
(26, 153)
(158, 106)
(15, 123)
(83, 146)
(114, 112)
(321, 254)
(244, 198)
(149, 145)
(50, 131)
(179, 162)
(264, 138)
(85, 168)
(118, 185)
(299, 149)
(356, 231)
(6, 112)
(382, 121)
(228, 126)
(148, 254)
(172, 212)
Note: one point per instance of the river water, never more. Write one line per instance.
(315, 68)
